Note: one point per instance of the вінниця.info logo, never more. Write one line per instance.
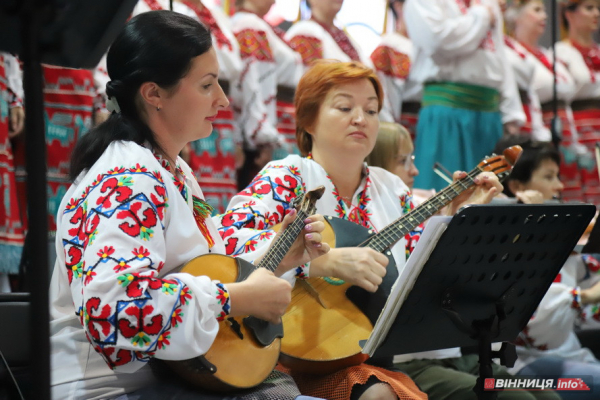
(525, 383)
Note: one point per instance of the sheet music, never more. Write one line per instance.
(406, 280)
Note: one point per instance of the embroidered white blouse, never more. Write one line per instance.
(312, 41)
(587, 81)
(550, 329)
(116, 298)
(268, 61)
(455, 43)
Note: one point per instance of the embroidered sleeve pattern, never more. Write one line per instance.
(222, 296)
(412, 237)
(576, 304)
(391, 62)
(114, 251)
(254, 44)
(309, 47)
(301, 272)
(245, 227)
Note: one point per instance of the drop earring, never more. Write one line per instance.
(157, 108)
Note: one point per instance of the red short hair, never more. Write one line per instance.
(314, 86)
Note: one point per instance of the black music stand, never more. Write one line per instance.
(484, 279)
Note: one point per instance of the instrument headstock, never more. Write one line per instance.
(307, 203)
(501, 165)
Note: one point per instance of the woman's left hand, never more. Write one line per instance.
(307, 246)
(486, 187)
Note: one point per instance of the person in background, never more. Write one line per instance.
(548, 346)
(394, 151)
(518, 22)
(337, 109)
(216, 159)
(268, 61)
(135, 214)
(319, 37)
(470, 93)
(444, 374)
(526, 22)
(392, 60)
(12, 118)
(580, 54)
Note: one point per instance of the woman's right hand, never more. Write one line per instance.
(591, 295)
(262, 295)
(359, 266)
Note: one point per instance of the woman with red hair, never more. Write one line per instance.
(337, 119)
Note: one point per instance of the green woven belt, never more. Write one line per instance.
(461, 95)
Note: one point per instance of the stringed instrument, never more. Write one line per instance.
(327, 317)
(245, 350)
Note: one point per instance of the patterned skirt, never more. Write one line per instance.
(286, 123)
(213, 161)
(12, 235)
(338, 385)
(586, 114)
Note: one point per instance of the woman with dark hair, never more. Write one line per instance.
(536, 171)
(337, 120)
(134, 215)
(581, 55)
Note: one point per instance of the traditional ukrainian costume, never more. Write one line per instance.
(584, 66)
(12, 234)
(524, 68)
(268, 62)
(392, 61)
(213, 159)
(469, 90)
(116, 298)
(542, 83)
(315, 41)
(70, 99)
(380, 198)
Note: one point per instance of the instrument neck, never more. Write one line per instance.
(403, 225)
(283, 243)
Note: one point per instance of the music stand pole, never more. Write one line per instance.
(37, 273)
(481, 282)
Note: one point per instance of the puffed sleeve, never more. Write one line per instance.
(113, 236)
(258, 125)
(14, 80)
(392, 68)
(510, 103)
(442, 37)
(246, 226)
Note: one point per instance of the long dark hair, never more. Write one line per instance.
(156, 46)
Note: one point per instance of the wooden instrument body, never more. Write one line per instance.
(325, 322)
(231, 363)
(323, 340)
